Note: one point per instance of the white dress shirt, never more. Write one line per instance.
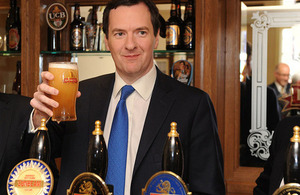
(282, 183)
(282, 90)
(137, 105)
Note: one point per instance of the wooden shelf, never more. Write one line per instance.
(10, 53)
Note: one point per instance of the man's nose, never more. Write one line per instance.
(130, 43)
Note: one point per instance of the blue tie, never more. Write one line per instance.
(117, 144)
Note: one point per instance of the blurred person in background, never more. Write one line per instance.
(281, 85)
(14, 115)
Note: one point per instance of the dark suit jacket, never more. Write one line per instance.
(14, 115)
(270, 179)
(278, 95)
(171, 101)
(273, 86)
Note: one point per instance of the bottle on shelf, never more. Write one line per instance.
(53, 39)
(91, 30)
(173, 29)
(101, 38)
(76, 31)
(185, 11)
(173, 155)
(57, 19)
(40, 146)
(13, 28)
(97, 27)
(97, 152)
(292, 169)
(9, 19)
(83, 33)
(16, 89)
(189, 27)
(178, 11)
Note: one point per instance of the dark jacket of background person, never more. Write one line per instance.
(171, 101)
(14, 115)
(15, 141)
(278, 95)
(273, 86)
(273, 117)
(272, 175)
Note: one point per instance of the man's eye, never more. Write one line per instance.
(119, 34)
(142, 33)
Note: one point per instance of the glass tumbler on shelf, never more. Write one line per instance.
(91, 30)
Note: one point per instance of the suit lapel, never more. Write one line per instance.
(276, 90)
(160, 104)
(100, 101)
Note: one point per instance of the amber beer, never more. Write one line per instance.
(66, 81)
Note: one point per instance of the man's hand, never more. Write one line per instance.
(42, 102)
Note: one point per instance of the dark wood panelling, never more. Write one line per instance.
(239, 180)
(30, 50)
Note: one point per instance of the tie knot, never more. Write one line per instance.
(126, 91)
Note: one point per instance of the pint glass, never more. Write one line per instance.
(66, 81)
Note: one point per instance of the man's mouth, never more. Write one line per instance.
(131, 56)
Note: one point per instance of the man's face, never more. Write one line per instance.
(131, 41)
(282, 75)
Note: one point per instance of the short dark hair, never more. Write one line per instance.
(113, 4)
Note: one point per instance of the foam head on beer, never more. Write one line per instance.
(66, 81)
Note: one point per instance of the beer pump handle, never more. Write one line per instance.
(292, 169)
(172, 168)
(40, 146)
(96, 167)
(33, 174)
(173, 159)
(97, 153)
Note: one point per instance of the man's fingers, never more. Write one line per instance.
(47, 76)
(78, 94)
(41, 108)
(45, 88)
(42, 98)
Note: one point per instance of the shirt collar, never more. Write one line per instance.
(143, 86)
(279, 86)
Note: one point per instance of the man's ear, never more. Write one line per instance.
(106, 44)
(156, 40)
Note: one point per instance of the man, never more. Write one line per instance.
(132, 29)
(281, 85)
(14, 115)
